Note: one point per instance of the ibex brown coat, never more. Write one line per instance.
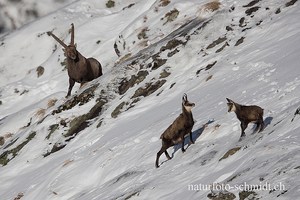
(176, 132)
(80, 69)
(246, 115)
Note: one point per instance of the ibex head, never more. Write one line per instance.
(70, 50)
(231, 105)
(186, 104)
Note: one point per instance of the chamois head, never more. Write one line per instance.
(231, 105)
(70, 50)
(246, 115)
(186, 104)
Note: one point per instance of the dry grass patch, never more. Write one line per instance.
(212, 6)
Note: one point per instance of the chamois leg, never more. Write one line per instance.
(167, 155)
(182, 147)
(71, 84)
(244, 125)
(157, 157)
(258, 124)
(262, 124)
(163, 149)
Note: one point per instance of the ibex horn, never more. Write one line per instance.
(72, 34)
(57, 39)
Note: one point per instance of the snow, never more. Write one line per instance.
(113, 158)
(15, 13)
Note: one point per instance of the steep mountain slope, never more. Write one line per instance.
(101, 143)
(16, 13)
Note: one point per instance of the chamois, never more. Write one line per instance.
(246, 115)
(80, 69)
(176, 132)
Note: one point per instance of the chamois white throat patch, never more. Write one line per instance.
(188, 108)
(233, 108)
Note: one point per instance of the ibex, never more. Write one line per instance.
(246, 115)
(80, 69)
(176, 132)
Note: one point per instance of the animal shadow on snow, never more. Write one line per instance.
(195, 135)
(268, 121)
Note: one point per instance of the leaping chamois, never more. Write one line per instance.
(246, 115)
(80, 69)
(176, 132)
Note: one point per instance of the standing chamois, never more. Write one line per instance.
(246, 115)
(80, 69)
(176, 132)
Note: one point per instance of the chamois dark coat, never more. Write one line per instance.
(177, 131)
(246, 115)
(80, 69)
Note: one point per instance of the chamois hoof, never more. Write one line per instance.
(241, 138)
(260, 130)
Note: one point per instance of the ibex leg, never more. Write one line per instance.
(71, 84)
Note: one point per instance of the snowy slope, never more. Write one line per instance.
(16, 13)
(101, 143)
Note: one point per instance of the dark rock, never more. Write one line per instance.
(246, 195)
(40, 71)
(81, 122)
(148, 89)
(240, 41)
(2, 140)
(278, 11)
(171, 16)
(55, 148)
(221, 196)
(81, 99)
(216, 42)
(223, 47)
(117, 110)
(252, 10)
(52, 129)
(242, 22)
(164, 74)
(8, 155)
(290, 3)
(230, 152)
(228, 28)
(110, 4)
(252, 3)
(135, 79)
